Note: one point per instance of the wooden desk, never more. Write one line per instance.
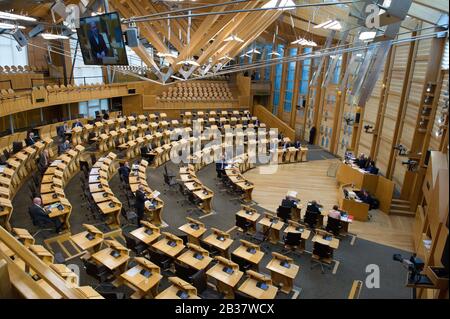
(250, 215)
(6, 210)
(89, 292)
(195, 257)
(89, 244)
(333, 243)
(146, 234)
(178, 286)
(164, 246)
(351, 174)
(136, 279)
(273, 223)
(358, 209)
(194, 229)
(225, 281)
(205, 195)
(221, 241)
(294, 227)
(250, 253)
(283, 271)
(112, 263)
(251, 287)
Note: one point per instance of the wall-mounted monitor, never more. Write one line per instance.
(101, 40)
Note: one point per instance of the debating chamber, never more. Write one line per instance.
(235, 149)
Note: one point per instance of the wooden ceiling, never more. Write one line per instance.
(207, 33)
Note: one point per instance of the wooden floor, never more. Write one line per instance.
(311, 182)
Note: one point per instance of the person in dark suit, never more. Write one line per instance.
(124, 171)
(361, 161)
(286, 145)
(63, 147)
(312, 135)
(145, 153)
(44, 161)
(98, 45)
(313, 207)
(105, 116)
(220, 166)
(297, 144)
(77, 124)
(372, 169)
(140, 203)
(40, 216)
(30, 139)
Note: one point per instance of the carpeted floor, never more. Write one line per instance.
(310, 283)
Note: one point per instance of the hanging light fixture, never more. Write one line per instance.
(12, 16)
(52, 36)
(274, 52)
(233, 37)
(190, 60)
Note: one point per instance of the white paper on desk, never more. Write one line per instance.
(2, 168)
(135, 166)
(56, 162)
(133, 272)
(155, 194)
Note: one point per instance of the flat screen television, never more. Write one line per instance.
(101, 40)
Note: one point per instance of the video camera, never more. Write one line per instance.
(415, 266)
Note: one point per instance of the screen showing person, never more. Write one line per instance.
(101, 40)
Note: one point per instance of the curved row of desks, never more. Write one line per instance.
(53, 182)
(99, 176)
(13, 175)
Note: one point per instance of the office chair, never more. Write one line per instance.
(135, 245)
(159, 259)
(183, 271)
(240, 295)
(311, 219)
(243, 224)
(322, 255)
(292, 240)
(99, 272)
(284, 213)
(333, 225)
(213, 251)
(199, 280)
(108, 293)
(244, 265)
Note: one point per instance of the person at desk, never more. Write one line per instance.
(63, 147)
(77, 124)
(365, 197)
(286, 145)
(145, 152)
(139, 205)
(289, 202)
(257, 123)
(105, 115)
(220, 166)
(124, 171)
(371, 168)
(30, 139)
(335, 213)
(314, 207)
(44, 161)
(40, 216)
(297, 144)
(361, 161)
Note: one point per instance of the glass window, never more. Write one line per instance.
(277, 84)
(303, 82)
(290, 81)
(89, 108)
(10, 54)
(337, 70)
(267, 70)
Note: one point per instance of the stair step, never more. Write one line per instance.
(402, 213)
(400, 201)
(400, 207)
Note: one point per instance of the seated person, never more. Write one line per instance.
(63, 147)
(361, 161)
(145, 152)
(314, 207)
(44, 161)
(372, 169)
(297, 144)
(40, 216)
(77, 124)
(365, 197)
(105, 115)
(334, 213)
(30, 139)
(124, 171)
(288, 202)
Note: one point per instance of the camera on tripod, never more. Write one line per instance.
(415, 266)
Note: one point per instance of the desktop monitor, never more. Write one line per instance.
(101, 40)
